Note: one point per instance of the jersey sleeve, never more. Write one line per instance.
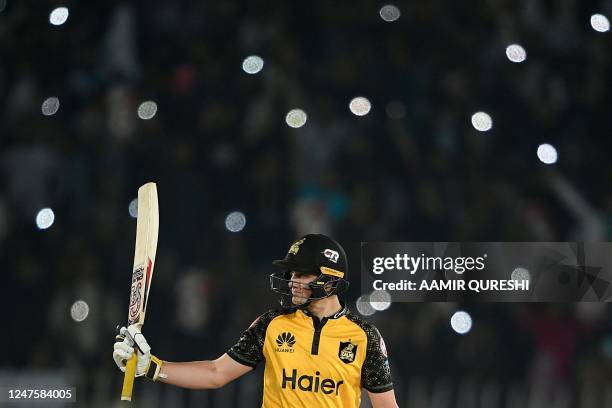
(376, 373)
(249, 348)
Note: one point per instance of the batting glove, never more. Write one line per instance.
(146, 363)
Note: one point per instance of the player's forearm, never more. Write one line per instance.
(383, 399)
(193, 374)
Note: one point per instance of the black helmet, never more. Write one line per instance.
(317, 255)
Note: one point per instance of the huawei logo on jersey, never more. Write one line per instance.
(285, 339)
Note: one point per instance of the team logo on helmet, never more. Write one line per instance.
(296, 246)
(331, 255)
(347, 351)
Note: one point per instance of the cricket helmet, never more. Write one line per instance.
(314, 254)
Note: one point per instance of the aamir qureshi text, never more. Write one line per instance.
(474, 285)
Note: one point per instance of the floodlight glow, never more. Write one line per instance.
(235, 221)
(482, 121)
(59, 16)
(461, 322)
(360, 106)
(79, 311)
(547, 154)
(516, 53)
(296, 118)
(147, 110)
(520, 273)
(600, 23)
(45, 218)
(50, 106)
(389, 13)
(380, 300)
(133, 208)
(252, 64)
(364, 307)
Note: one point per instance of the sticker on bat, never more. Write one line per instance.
(138, 273)
(135, 303)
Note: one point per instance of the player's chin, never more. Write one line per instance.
(298, 300)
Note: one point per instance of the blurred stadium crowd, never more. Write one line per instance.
(413, 169)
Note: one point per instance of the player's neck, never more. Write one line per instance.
(325, 307)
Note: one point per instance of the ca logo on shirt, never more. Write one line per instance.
(347, 351)
(285, 339)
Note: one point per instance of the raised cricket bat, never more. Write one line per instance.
(147, 228)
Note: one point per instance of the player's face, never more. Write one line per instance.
(300, 292)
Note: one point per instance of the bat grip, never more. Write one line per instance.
(128, 379)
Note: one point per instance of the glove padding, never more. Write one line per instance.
(146, 364)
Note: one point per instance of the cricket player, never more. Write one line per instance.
(317, 353)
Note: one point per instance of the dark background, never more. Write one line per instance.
(413, 169)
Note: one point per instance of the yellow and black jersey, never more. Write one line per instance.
(315, 363)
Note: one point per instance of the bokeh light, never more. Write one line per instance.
(147, 110)
(547, 153)
(380, 300)
(600, 23)
(59, 16)
(482, 121)
(461, 322)
(133, 208)
(296, 118)
(389, 13)
(50, 106)
(79, 311)
(45, 218)
(516, 53)
(252, 64)
(235, 221)
(363, 306)
(520, 273)
(360, 106)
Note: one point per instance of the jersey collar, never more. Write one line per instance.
(343, 310)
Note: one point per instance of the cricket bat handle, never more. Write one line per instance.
(128, 379)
